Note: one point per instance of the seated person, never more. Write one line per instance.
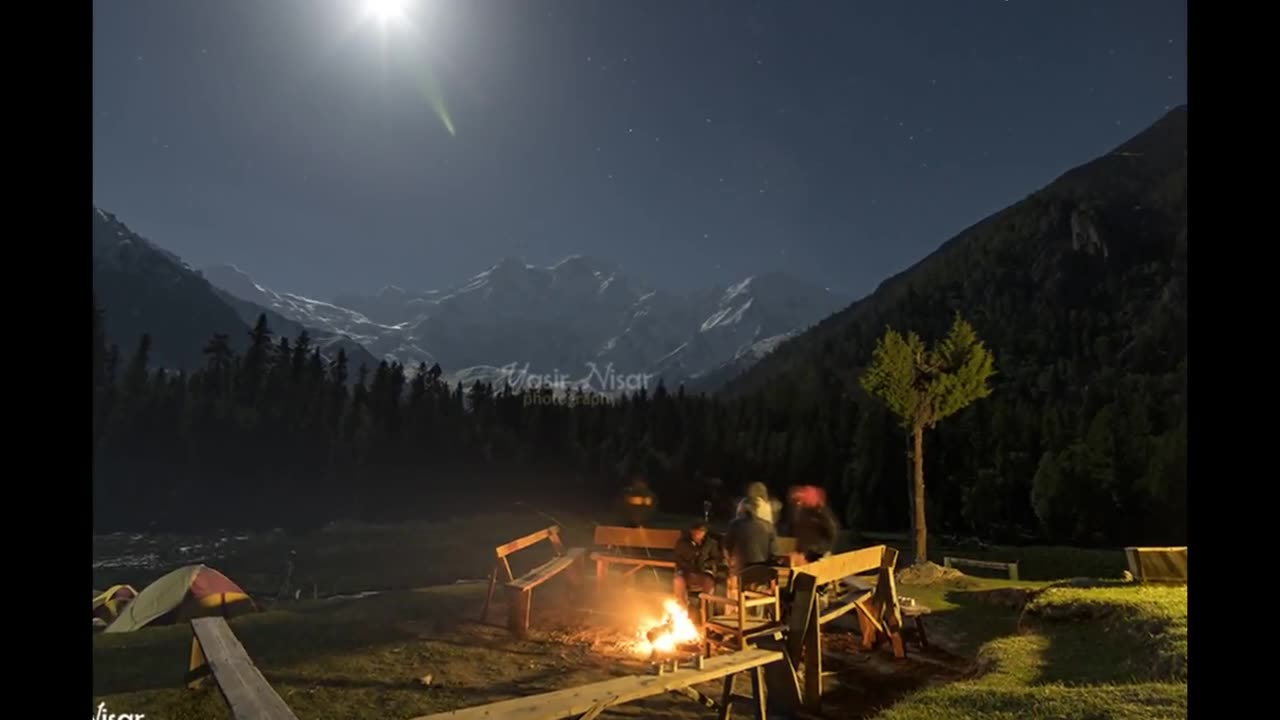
(697, 556)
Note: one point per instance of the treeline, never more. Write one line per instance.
(279, 436)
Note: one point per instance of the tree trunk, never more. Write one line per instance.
(911, 484)
(917, 438)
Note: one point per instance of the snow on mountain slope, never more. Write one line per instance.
(571, 321)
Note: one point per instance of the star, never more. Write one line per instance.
(708, 121)
(911, 138)
(631, 130)
(706, 235)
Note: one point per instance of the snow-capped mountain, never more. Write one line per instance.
(579, 321)
(143, 288)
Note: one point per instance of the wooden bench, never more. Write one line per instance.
(588, 701)
(614, 539)
(1010, 567)
(520, 590)
(216, 651)
(879, 615)
(1157, 564)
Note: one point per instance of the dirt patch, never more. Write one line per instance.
(930, 574)
(862, 684)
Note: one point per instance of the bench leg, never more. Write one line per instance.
(488, 598)
(518, 612)
(198, 669)
(726, 697)
(924, 639)
(758, 692)
(813, 666)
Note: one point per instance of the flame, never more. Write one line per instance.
(679, 630)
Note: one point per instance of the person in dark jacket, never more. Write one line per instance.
(812, 522)
(751, 539)
(697, 557)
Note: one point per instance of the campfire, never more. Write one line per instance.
(672, 636)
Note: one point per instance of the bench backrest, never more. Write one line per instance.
(551, 534)
(648, 538)
(246, 691)
(853, 562)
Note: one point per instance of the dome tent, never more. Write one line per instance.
(108, 604)
(185, 593)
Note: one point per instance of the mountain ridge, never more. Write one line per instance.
(562, 318)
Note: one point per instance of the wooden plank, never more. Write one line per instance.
(572, 702)
(524, 542)
(246, 691)
(631, 560)
(546, 571)
(651, 538)
(843, 565)
(844, 604)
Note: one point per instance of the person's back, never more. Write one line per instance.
(750, 540)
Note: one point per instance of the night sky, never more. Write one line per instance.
(692, 142)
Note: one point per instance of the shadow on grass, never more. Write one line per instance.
(156, 658)
(1107, 652)
(974, 618)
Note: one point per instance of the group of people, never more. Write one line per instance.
(752, 537)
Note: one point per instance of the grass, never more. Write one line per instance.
(1110, 650)
(1080, 652)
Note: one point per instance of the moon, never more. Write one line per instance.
(387, 12)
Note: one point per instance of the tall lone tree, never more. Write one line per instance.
(923, 386)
